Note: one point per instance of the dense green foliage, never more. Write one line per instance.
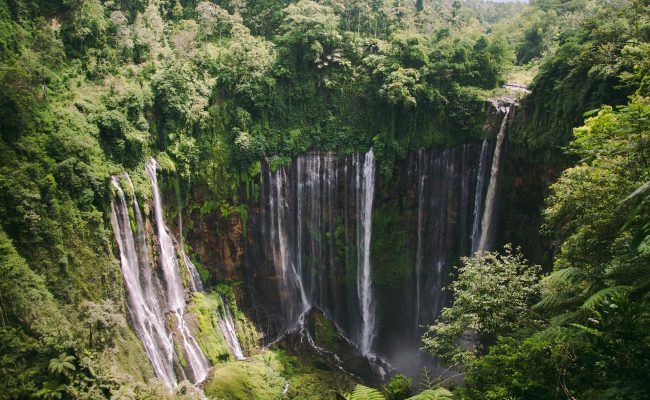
(599, 57)
(362, 392)
(587, 336)
(398, 388)
(92, 88)
(492, 295)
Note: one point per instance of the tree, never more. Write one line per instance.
(148, 32)
(401, 87)
(102, 321)
(399, 388)
(213, 18)
(123, 35)
(87, 23)
(244, 65)
(310, 29)
(493, 295)
(595, 338)
(181, 93)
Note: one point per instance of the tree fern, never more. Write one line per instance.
(603, 295)
(568, 274)
(433, 394)
(554, 298)
(587, 329)
(364, 393)
(62, 364)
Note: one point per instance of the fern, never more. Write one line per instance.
(557, 297)
(364, 393)
(62, 364)
(427, 381)
(600, 297)
(568, 274)
(433, 394)
(588, 330)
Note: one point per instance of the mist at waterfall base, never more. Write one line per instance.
(315, 218)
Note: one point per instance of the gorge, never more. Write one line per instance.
(324, 199)
(314, 218)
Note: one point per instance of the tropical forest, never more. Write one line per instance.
(325, 199)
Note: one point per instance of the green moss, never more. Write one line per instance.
(243, 215)
(207, 207)
(244, 328)
(131, 358)
(209, 335)
(134, 227)
(204, 274)
(265, 375)
(310, 379)
(185, 276)
(259, 377)
(325, 333)
(246, 332)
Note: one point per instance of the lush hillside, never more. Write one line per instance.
(230, 98)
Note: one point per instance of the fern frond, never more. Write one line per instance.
(641, 189)
(554, 334)
(597, 299)
(361, 392)
(561, 319)
(433, 394)
(568, 274)
(587, 329)
(551, 300)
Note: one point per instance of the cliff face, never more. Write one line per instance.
(525, 186)
(215, 238)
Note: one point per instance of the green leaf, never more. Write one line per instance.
(588, 330)
(362, 392)
(598, 298)
(433, 394)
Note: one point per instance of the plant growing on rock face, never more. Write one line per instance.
(493, 295)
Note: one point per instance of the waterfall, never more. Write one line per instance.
(305, 231)
(310, 235)
(487, 231)
(365, 173)
(175, 294)
(146, 317)
(418, 253)
(294, 298)
(315, 185)
(478, 195)
(442, 187)
(227, 325)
